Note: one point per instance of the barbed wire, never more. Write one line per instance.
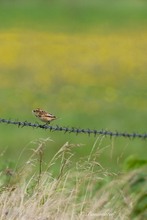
(74, 130)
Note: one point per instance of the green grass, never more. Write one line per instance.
(75, 16)
(84, 91)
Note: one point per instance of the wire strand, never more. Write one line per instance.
(74, 130)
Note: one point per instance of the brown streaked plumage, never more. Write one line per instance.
(43, 115)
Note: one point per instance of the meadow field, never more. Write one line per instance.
(87, 64)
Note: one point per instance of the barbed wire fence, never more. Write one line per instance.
(74, 130)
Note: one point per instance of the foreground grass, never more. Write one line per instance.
(85, 191)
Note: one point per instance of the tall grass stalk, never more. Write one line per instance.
(82, 189)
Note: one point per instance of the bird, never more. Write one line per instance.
(43, 115)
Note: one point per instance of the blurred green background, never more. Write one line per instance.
(85, 62)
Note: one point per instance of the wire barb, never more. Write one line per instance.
(74, 130)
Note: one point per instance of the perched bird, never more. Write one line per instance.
(43, 115)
